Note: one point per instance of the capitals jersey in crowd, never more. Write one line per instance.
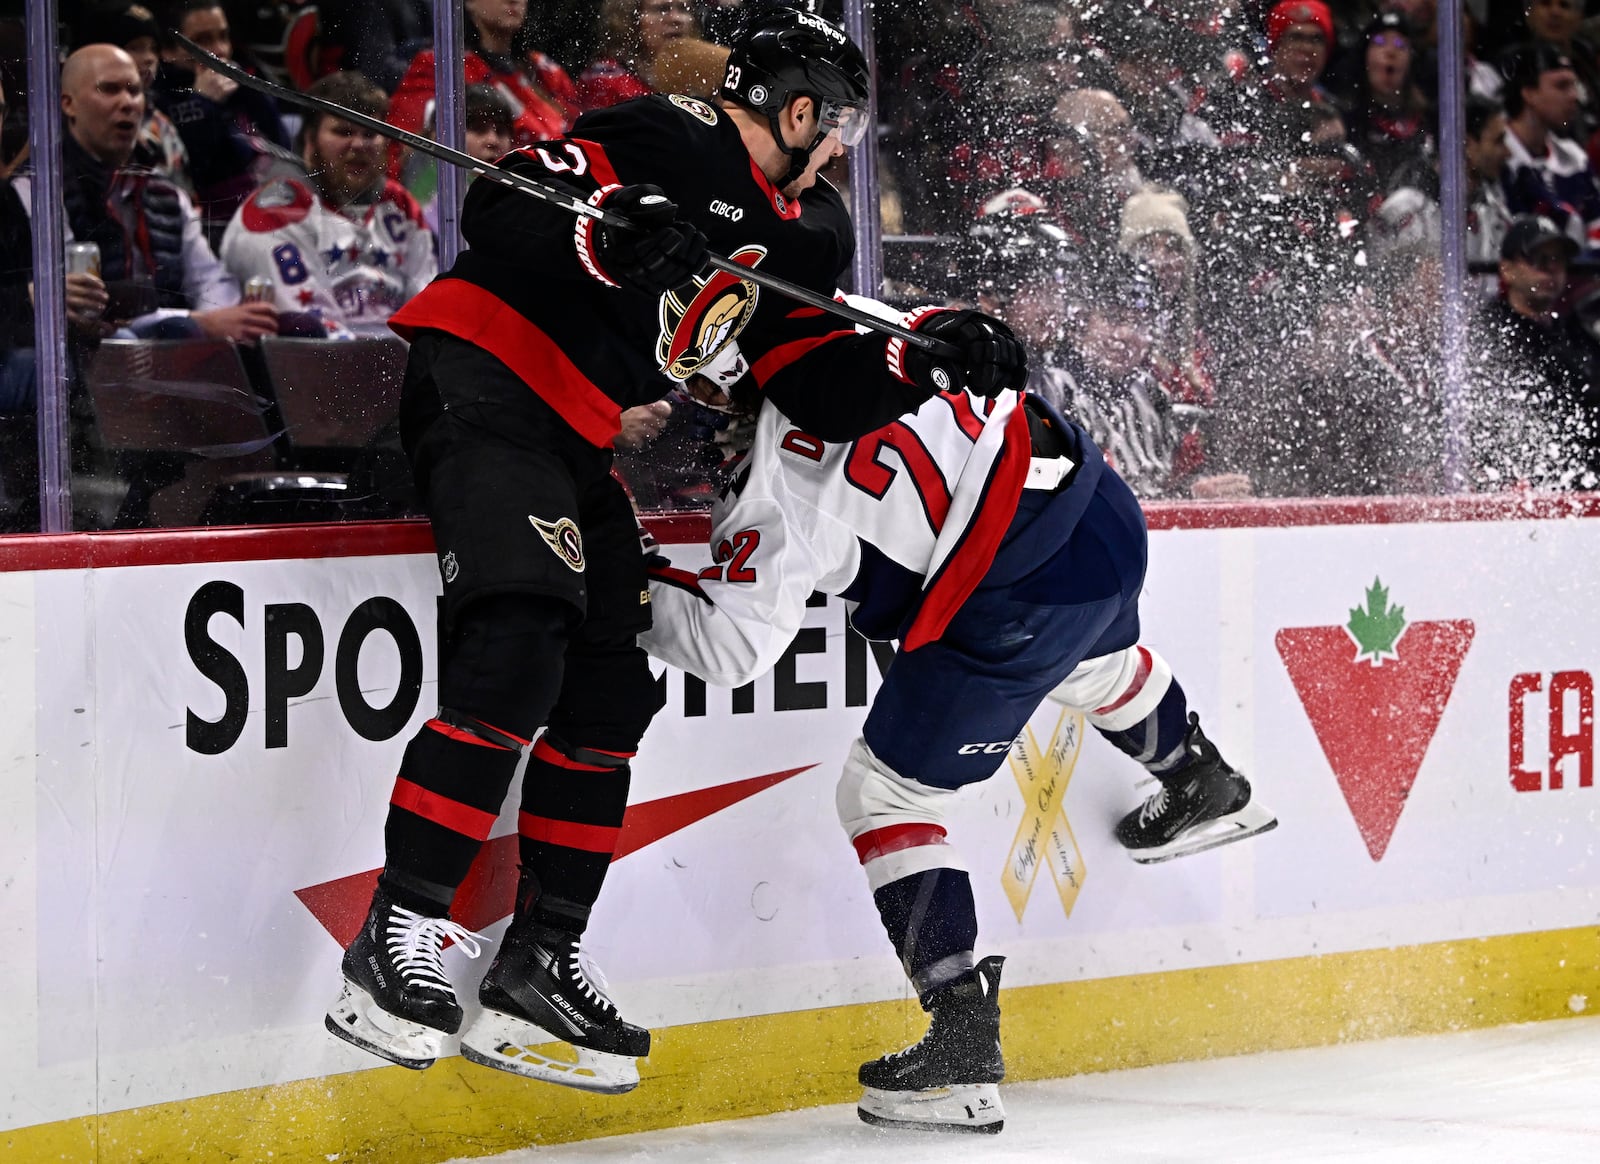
(528, 288)
(903, 523)
(354, 267)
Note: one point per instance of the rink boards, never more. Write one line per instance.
(202, 732)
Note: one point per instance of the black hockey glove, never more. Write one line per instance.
(992, 358)
(662, 254)
(651, 549)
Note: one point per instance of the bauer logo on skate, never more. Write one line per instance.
(1375, 708)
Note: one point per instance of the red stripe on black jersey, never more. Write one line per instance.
(599, 164)
(543, 751)
(970, 560)
(476, 315)
(450, 731)
(784, 208)
(783, 355)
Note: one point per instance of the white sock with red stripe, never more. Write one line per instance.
(918, 881)
(1132, 698)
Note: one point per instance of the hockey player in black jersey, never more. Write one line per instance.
(523, 356)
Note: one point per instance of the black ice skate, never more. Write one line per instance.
(538, 991)
(947, 1081)
(397, 1002)
(1204, 805)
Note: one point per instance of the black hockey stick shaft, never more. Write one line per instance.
(556, 197)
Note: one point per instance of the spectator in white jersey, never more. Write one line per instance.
(342, 242)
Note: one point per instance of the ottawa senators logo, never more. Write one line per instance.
(563, 537)
(693, 333)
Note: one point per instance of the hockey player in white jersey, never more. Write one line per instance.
(342, 242)
(992, 541)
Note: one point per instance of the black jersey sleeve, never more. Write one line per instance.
(647, 140)
(822, 373)
(831, 380)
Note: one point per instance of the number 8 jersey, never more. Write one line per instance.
(353, 267)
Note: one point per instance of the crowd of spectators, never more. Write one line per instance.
(1246, 294)
(1216, 222)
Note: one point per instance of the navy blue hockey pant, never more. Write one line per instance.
(1064, 587)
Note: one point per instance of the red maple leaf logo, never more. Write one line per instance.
(1373, 705)
(490, 889)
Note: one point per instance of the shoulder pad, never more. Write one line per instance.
(281, 202)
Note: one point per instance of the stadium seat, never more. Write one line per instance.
(187, 428)
(335, 394)
(176, 396)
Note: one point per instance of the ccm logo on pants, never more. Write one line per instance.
(987, 749)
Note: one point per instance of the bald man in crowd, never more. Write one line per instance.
(162, 279)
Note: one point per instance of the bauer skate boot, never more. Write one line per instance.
(539, 990)
(947, 1081)
(1200, 806)
(396, 1001)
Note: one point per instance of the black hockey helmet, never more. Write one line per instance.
(1015, 239)
(784, 53)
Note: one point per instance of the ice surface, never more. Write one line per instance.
(1513, 1094)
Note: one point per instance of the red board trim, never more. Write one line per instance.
(80, 551)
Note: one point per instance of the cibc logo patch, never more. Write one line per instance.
(563, 537)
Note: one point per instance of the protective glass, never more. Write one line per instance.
(848, 121)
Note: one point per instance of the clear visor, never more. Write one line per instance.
(849, 122)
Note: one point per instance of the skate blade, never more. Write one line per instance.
(509, 1044)
(963, 1107)
(1249, 821)
(361, 1022)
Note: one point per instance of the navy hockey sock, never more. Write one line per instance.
(573, 800)
(931, 919)
(1156, 741)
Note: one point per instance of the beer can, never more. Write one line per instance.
(83, 258)
(258, 289)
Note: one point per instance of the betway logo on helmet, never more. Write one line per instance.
(821, 26)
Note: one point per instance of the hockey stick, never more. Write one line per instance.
(554, 196)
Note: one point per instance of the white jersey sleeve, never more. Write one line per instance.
(772, 549)
(919, 492)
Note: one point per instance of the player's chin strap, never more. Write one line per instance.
(799, 158)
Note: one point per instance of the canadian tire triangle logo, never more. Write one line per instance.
(1374, 690)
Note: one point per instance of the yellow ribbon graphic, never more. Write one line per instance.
(1045, 836)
